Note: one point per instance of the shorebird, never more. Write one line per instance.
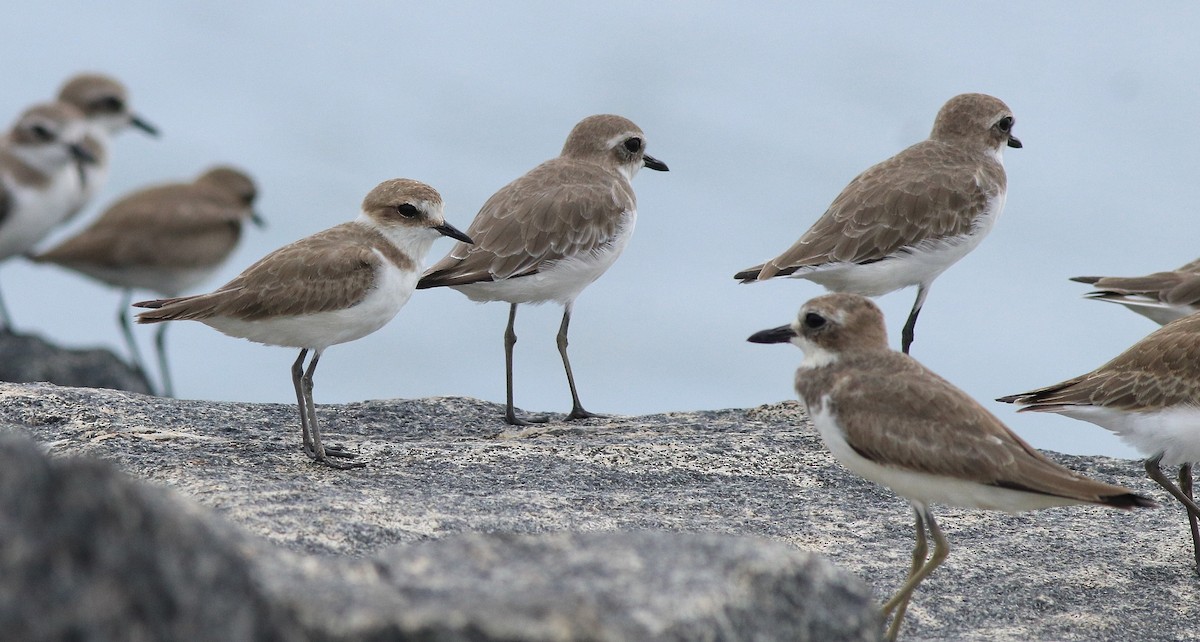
(42, 165)
(1150, 396)
(889, 419)
(329, 288)
(166, 239)
(550, 233)
(906, 220)
(1161, 297)
(104, 102)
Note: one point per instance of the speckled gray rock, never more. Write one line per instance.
(438, 468)
(560, 587)
(85, 554)
(25, 358)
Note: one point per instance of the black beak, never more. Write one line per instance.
(1013, 141)
(782, 334)
(446, 229)
(141, 124)
(81, 154)
(257, 219)
(654, 164)
(82, 157)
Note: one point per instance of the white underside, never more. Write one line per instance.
(324, 329)
(560, 281)
(924, 488)
(35, 212)
(918, 264)
(1153, 309)
(1174, 432)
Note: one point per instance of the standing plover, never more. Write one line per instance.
(329, 288)
(904, 221)
(549, 234)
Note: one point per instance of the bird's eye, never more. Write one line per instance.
(813, 320)
(110, 104)
(42, 133)
(1005, 124)
(633, 144)
(408, 210)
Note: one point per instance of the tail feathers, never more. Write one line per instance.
(1128, 501)
(168, 310)
(1086, 279)
(765, 271)
(749, 275)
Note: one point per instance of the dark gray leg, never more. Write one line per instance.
(1154, 470)
(1185, 485)
(6, 325)
(906, 335)
(321, 454)
(160, 345)
(297, 373)
(127, 330)
(510, 340)
(577, 411)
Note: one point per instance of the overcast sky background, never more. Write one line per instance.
(763, 112)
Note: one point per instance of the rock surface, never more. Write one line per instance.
(450, 478)
(26, 358)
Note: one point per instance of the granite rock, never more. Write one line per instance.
(448, 471)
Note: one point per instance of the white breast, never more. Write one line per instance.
(323, 329)
(916, 264)
(560, 281)
(36, 211)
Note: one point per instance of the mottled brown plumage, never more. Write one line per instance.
(905, 220)
(563, 207)
(329, 270)
(550, 233)
(1162, 297)
(335, 286)
(179, 226)
(1160, 371)
(891, 420)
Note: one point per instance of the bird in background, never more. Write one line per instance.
(335, 286)
(1161, 297)
(104, 102)
(43, 162)
(906, 220)
(167, 239)
(887, 418)
(1149, 395)
(550, 233)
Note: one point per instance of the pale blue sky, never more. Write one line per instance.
(763, 113)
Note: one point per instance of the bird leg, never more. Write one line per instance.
(920, 552)
(906, 335)
(577, 411)
(297, 372)
(6, 326)
(1185, 485)
(919, 571)
(127, 330)
(160, 345)
(320, 453)
(510, 339)
(1155, 472)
